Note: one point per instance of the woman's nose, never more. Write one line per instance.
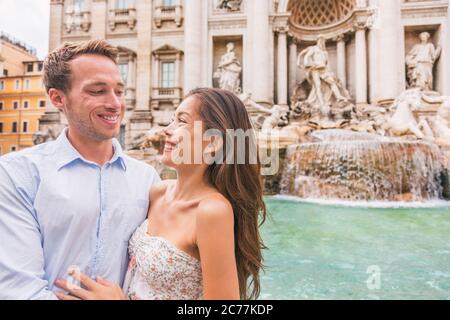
(169, 129)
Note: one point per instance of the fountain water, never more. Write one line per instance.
(348, 165)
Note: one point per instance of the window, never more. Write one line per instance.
(41, 103)
(5, 72)
(168, 75)
(13, 148)
(25, 126)
(1, 127)
(2, 85)
(168, 3)
(16, 105)
(1, 105)
(40, 66)
(26, 104)
(17, 85)
(123, 68)
(122, 4)
(29, 67)
(78, 5)
(27, 84)
(14, 127)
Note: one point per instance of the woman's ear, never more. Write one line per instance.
(57, 97)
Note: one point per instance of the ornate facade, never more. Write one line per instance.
(171, 46)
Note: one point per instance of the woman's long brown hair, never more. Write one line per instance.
(241, 184)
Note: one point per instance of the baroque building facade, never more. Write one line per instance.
(22, 94)
(168, 47)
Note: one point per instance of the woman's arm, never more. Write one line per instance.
(215, 241)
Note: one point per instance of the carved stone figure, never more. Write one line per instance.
(42, 137)
(420, 61)
(441, 122)
(403, 120)
(277, 115)
(323, 82)
(230, 5)
(229, 71)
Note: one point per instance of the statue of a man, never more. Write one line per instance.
(229, 71)
(322, 80)
(420, 61)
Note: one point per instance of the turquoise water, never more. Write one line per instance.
(326, 251)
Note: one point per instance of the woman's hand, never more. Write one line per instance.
(95, 290)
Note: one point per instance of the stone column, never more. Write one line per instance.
(131, 71)
(282, 70)
(445, 56)
(52, 117)
(99, 19)
(156, 74)
(387, 54)
(131, 83)
(140, 120)
(177, 70)
(292, 66)
(341, 60)
(193, 37)
(56, 23)
(258, 19)
(361, 65)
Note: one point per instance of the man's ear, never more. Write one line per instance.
(57, 97)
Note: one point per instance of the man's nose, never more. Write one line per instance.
(114, 101)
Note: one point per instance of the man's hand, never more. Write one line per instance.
(95, 290)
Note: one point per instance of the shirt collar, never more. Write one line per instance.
(68, 154)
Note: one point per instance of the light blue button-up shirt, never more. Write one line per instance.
(58, 210)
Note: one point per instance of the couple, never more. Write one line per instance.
(79, 219)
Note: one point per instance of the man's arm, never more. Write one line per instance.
(21, 253)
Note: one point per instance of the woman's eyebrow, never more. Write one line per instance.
(182, 113)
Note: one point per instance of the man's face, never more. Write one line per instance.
(95, 102)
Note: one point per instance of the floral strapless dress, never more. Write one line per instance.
(158, 270)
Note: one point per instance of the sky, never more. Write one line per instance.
(27, 21)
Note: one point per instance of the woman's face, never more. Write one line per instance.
(187, 127)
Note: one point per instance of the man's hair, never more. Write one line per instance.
(57, 73)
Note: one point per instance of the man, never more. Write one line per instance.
(420, 61)
(73, 202)
(323, 82)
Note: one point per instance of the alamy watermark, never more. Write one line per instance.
(234, 146)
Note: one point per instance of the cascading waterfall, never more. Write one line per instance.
(349, 165)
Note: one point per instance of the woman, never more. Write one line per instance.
(201, 239)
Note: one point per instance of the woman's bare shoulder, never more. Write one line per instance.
(160, 188)
(215, 207)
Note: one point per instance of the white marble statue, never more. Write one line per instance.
(420, 61)
(403, 121)
(272, 121)
(276, 114)
(229, 71)
(441, 122)
(230, 5)
(324, 83)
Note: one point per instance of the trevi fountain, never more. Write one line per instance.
(332, 148)
(363, 189)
